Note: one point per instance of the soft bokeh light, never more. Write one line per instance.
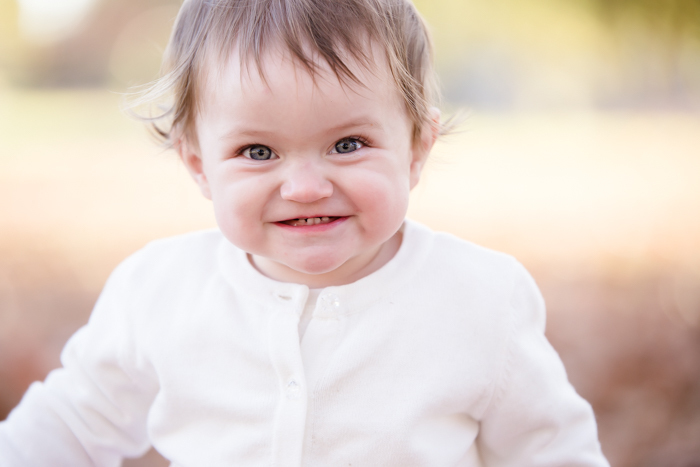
(46, 21)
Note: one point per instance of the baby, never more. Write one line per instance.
(316, 326)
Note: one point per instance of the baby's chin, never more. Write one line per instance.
(314, 270)
(317, 265)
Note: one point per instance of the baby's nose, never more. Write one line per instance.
(304, 183)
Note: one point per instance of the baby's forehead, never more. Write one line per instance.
(277, 66)
(280, 96)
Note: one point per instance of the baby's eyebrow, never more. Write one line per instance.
(346, 126)
(250, 132)
(354, 124)
(247, 132)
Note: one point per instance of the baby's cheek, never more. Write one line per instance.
(384, 200)
(229, 226)
(236, 216)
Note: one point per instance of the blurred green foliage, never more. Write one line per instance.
(669, 17)
(603, 53)
(496, 53)
(9, 32)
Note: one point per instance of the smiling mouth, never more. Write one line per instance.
(301, 222)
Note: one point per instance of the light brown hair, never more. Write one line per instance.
(333, 30)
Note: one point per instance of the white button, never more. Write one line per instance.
(293, 390)
(330, 302)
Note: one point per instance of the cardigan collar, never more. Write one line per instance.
(344, 299)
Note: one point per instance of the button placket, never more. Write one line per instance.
(285, 356)
(293, 390)
(330, 302)
(318, 349)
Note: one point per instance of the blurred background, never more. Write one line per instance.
(580, 155)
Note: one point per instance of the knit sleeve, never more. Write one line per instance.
(93, 410)
(536, 418)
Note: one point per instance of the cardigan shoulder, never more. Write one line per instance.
(181, 250)
(171, 259)
(502, 293)
(477, 267)
(157, 282)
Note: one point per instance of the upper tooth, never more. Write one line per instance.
(312, 220)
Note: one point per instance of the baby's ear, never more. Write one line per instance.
(421, 148)
(190, 155)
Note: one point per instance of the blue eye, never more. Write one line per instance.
(258, 153)
(347, 145)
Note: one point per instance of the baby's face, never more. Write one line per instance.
(310, 178)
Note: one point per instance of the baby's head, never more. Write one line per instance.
(307, 123)
(311, 31)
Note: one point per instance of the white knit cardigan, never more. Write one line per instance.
(438, 359)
